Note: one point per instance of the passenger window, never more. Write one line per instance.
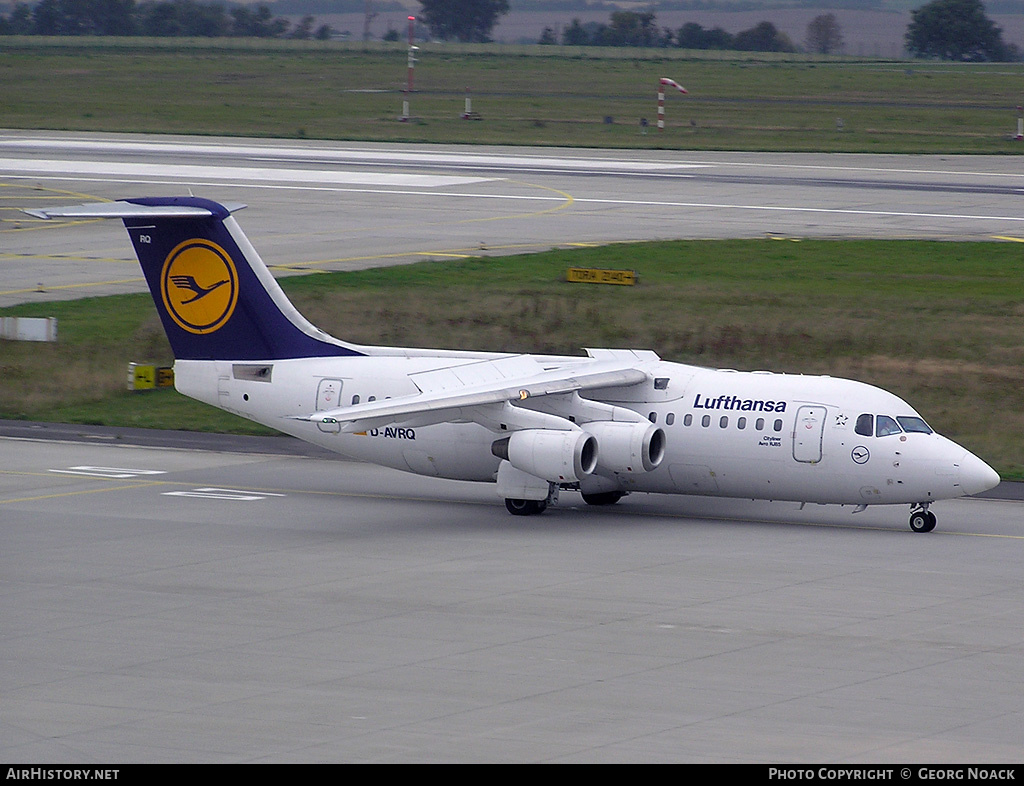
(741, 423)
(670, 418)
(653, 417)
(724, 422)
(865, 425)
(759, 425)
(355, 399)
(687, 420)
(885, 425)
(705, 421)
(778, 425)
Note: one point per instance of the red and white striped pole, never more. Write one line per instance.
(661, 98)
(411, 65)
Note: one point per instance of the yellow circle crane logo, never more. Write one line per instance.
(199, 285)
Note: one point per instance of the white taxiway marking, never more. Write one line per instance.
(228, 494)
(108, 472)
(358, 155)
(264, 174)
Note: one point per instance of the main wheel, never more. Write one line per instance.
(603, 498)
(525, 507)
(922, 521)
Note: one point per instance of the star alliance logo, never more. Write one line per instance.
(199, 285)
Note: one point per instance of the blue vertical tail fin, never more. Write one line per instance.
(216, 298)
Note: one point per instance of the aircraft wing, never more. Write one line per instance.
(442, 400)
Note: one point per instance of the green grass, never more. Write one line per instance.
(525, 95)
(937, 323)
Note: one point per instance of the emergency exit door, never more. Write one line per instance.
(328, 396)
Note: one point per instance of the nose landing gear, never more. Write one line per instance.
(922, 519)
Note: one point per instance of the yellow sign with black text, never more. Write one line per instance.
(588, 275)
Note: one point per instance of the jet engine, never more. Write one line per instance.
(556, 456)
(628, 447)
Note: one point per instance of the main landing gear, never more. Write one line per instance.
(526, 507)
(531, 507)
(922, 519)
(603, 497)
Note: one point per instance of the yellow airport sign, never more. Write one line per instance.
(589, 275)
(142, 376)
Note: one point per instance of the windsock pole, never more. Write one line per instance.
(661, 98)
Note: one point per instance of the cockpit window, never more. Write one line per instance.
(865, 425)
(914, 425)
(885, 425)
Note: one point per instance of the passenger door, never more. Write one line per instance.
(808, 433)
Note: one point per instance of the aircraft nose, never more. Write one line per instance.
(976, 476)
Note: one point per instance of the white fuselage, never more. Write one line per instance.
(754, 435)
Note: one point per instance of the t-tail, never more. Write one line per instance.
(216, 298)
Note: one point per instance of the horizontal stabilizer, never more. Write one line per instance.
(129, 210)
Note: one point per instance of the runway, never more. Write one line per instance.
(342, 206)
(196, 598)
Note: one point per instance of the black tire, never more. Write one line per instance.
(603, 498)
(525, 507)
(922, 521)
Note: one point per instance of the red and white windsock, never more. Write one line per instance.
(661, 98)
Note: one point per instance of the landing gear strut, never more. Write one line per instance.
(922, 519)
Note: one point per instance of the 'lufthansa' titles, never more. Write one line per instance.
(737, 404)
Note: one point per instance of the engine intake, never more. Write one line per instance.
(628, 447)
(556, 456)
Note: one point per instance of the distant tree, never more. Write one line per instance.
(694, 36)
(182, 18)
(303, 30)
(575, 34)
(824, 35)
(548, 37)
(259, 23)
(630, 28)
(18, 22)
(955, 30)
(164, 18)
(465, 20)
(84, 17)
(763, 37)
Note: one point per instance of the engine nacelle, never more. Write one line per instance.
(556, 456)
(628, 447)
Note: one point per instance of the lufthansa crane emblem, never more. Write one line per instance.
(199, 285)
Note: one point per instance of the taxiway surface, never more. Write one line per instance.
(196, 605)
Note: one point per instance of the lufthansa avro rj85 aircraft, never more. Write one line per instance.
(614, 422)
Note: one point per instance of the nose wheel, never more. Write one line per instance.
(922, 519)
